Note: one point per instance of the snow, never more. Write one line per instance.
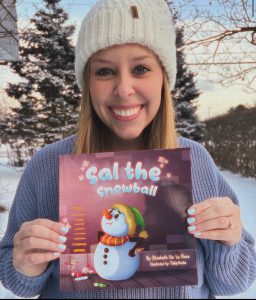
(245, 188)
(9, 178)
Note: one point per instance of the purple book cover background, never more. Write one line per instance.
(164, 212)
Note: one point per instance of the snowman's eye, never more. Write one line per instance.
(116, 216)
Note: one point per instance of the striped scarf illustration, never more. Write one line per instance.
(109, 240)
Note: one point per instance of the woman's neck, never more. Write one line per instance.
(127, 145)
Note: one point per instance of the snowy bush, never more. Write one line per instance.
(231, 140)
(19, 153)
(2, 209)
(4, 202)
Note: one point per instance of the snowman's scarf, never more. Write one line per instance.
(109, 240)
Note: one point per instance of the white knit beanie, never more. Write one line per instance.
(113, 22)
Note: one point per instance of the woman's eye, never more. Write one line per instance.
(141, 70)
(104, 72)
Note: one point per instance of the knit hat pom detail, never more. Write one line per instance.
(144, 235)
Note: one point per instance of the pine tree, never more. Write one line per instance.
(185, 94)
(48, 94)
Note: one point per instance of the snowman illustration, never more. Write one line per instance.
(117, 254)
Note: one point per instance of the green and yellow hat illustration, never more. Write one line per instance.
(133, 219)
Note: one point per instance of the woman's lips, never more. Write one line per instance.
(126, 113)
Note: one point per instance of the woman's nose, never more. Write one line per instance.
(124, 86)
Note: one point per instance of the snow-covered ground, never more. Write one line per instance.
(245, 188)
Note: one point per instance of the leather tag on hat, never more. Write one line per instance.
(135, 13)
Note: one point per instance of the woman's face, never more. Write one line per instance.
(125, 86)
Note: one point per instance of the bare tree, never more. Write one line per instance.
(220, 38)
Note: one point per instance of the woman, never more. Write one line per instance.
(125, 66)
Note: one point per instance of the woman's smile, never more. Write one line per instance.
(127, 112)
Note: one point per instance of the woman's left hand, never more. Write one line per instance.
(216, 219)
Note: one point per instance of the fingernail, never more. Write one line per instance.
(191, 228)
(191, 220)
(191, 211)
(62, 247)
(198, 234)
(62, 239)
(56, 253)
(64, 229)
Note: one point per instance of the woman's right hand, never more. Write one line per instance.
(36, 244)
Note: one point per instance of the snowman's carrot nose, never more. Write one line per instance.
(107, 214)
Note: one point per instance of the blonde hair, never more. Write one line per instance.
(94, 136)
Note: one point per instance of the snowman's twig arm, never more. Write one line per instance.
(100, 234)
(139, 241)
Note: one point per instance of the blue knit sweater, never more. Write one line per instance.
(222, 270)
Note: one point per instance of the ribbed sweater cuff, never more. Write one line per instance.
(223, 255)
(22, 285)
(229, 270)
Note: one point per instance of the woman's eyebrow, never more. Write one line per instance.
(141, 57)
(105, 61)
(100, 60)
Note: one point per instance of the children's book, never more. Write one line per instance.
(127, 217)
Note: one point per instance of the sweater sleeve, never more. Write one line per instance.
(229, 270)
(24, 209)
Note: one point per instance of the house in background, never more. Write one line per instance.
(9, 41)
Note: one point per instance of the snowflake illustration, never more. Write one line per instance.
(162, 161)
(85, 165)
(81, 177)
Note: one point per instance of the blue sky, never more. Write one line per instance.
(214, 99)
(75, 8)
(78, 8)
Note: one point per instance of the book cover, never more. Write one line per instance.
(127, 217)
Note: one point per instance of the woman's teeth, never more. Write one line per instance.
(127, 112)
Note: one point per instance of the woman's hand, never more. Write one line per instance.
(216, 219)
(36, 244)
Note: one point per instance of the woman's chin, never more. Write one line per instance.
(123, 134)
(131, 140)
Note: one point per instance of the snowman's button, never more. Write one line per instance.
(105, 256)
(105, 262)
(106, 250)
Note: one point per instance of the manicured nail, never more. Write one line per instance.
(191, 211)
(198, 234)
(191, 228)
(64, 229)
(191, 220)
(62, 239)
(57, 254)
(62, 247)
